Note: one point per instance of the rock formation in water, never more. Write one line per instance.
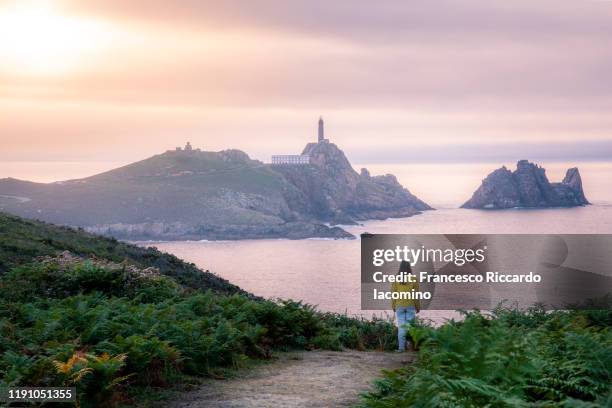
(527, 186)
(193, 194)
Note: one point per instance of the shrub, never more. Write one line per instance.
(97, 378)
(512, 358)
(105, 326)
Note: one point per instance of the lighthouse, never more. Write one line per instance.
(321, 130)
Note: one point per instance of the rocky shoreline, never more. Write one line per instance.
(181, 232)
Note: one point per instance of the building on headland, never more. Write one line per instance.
(188, 148)
(291, 159)
(300, 159)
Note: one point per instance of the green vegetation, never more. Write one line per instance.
(179, 192)
(511, 358)
(114, 328)
(22, 241)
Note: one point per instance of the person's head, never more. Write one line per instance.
(404, 268)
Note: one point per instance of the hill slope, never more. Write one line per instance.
(174, 195)
(119, 322)
(214, 195)
(22, 241)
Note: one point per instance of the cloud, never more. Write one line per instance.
(254, 74)
(384, 21)
(437, 55)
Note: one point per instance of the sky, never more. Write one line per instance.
(396, 81)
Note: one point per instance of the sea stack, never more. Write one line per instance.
(528, 187)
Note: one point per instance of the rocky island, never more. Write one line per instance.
(189, 194)
(527, 186)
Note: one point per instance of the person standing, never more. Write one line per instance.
(405, 308)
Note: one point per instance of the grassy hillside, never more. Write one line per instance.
(181, 190)
(118, 321)
(21, 241)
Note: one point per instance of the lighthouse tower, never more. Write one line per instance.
(321, 131)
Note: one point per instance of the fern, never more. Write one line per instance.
(511, 358)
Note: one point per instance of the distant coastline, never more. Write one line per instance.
(191, 194)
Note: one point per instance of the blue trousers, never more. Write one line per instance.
(405, 316)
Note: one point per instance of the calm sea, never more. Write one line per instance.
(326, 272)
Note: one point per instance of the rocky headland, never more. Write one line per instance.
(332, 191)
(527, 186)
(191, 194)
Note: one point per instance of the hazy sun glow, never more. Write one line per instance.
(35, 38)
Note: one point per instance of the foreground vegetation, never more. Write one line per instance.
(113, 319)
(102, 329)
(511, 358)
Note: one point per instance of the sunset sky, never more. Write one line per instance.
(395, 80)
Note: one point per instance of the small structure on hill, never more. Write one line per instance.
(188, 148)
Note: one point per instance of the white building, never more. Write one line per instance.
(293, 159)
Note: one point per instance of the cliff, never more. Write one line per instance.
(527, 186)
(332, 191)
(192, 194)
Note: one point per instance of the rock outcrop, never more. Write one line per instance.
(171, 231)
(332, 191)
(527, 186)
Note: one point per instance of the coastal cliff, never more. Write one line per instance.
(192, 194)
(332, 191)
(527, 186)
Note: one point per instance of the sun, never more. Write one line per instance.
(35, 38)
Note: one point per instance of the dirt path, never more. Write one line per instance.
(304, 379)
